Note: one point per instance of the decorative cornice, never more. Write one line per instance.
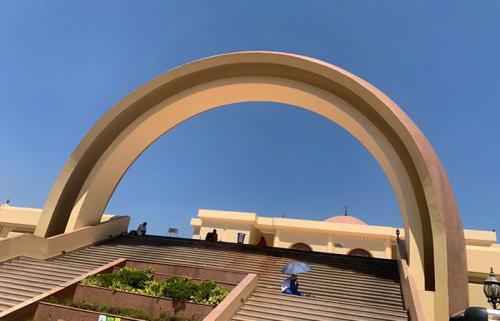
(226, 225)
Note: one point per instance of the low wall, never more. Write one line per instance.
(230, 305)
(53, 312)
(153, 306)
(226, 279)
(412, 301)
(42, 248)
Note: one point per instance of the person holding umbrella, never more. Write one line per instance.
(291, 285)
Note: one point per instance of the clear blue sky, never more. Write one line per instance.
(63, 64)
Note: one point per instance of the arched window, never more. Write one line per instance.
(359, 252)
(301, 246)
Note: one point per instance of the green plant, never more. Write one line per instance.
(131, 313)
(215, 296)
(126, 279)
(154, 288)
(183, 289)
(209, 293)
(177, 288)
(133, 278)
(104, 280)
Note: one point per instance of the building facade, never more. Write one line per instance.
(343, 234)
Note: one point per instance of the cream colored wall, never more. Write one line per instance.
(15, 221)
(476, 296)
(376, 247)
(228, 225)
(480, 238)
(482, 250)
(226, 231)
(42, 248)
(19, 216)
(366, 231)
(254, 236)
(269, 238)
(322, 236)
(479, 260)
(284, 233)
(327, 243)
(287, 238)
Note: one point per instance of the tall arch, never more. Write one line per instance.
(434, 235)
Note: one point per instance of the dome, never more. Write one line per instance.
(345, 219)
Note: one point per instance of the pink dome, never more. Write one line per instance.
(345, 219)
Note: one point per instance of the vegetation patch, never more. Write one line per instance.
(177, 288)
(130, 313)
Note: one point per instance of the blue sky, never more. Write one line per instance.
(63, 64)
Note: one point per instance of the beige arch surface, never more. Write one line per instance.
(434, 235)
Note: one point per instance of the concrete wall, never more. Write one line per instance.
(284, 233)
(376, 247)
(227, 232)
(287, 238)
(479, 260)
(42, 248)
(15, 221)
(227, 224)
(322, 236)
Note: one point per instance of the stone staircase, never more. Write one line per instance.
(23, 278)
(341, 287)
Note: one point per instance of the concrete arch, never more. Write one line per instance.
(434, 235)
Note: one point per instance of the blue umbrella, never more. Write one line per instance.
(296, 268)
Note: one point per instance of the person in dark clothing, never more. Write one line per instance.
(291, 286)
(215, 236)
(141, 229)
(262, 242)
(212, 236)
